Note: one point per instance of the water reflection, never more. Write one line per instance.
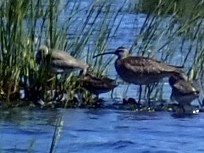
(129, 131)
(104, 130)
(22, 130)
(21, 116)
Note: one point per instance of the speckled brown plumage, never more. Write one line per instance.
(97, 85)
(142, 70)
(183, 91)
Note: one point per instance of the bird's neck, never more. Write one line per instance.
(122, 56)
(117, 63)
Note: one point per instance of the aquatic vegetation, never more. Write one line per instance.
(27, 25)
(83, 30)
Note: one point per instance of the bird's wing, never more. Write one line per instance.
(147, 65)
(62, 64)
(141, 65)
(98, 83)
(61, 55)
(63, 59)
(67, 64)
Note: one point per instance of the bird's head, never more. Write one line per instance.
(43, 50)
(121, 52)
(177, 77)
(41, 54)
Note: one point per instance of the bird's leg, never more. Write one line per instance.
(96, 98)
(140, 94)
(150, 88)
(183, 109)
(56, 87)
(64, 82)
(148, 94)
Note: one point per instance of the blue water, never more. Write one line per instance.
(104, 131)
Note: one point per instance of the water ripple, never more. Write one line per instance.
(114, 131)
(16, 150)
(122, 144)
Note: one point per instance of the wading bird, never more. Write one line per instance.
(97, 85)
(184, 92)
(141, 70)
(59, 62)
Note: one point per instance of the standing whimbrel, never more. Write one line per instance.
(141, 70)
(59, 61)
(184, 92)
(97, 85)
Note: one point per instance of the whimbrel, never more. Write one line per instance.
(183, 91)
(97, 85)
(141, 70)
(59, 61)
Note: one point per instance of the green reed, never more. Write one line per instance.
(169, 28)
(25, 25)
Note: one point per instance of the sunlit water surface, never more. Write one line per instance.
(102, 130)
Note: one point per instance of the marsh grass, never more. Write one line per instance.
(169, 29)
(25, 25)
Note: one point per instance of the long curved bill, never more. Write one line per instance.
(103, 54)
